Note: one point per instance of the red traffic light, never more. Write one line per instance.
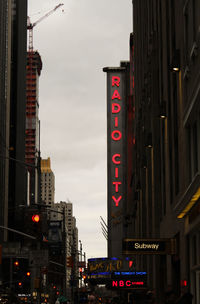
(28, 274)
(20, 284)
(36, 218)
(16, 263)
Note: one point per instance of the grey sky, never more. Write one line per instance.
(75, 44)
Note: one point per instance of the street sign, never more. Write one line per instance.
(149, 246)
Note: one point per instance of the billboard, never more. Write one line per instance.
(103, 265)
(116, 157)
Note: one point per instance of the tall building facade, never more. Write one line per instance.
(12, 108)
(47, 183)
(34, 67)
(5, 59)
(64, 210)
(167, 148)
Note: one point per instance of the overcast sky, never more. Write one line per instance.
(75, 43)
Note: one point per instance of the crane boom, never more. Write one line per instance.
(30, 25)
(47, 14)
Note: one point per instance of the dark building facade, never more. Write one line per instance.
(12, 108)
(5, 57)
(166, 41)
(17, 170)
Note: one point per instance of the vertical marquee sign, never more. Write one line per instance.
(116, 104)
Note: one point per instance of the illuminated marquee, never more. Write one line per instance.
(116, 136)
(116, 156)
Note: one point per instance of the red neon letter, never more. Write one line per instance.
(115, 81)
(116, 95)
(114, 283)
(116, 162)
(116, 200)
(116, 173)
(116, 122)
(119, 135)
(128, 284)
(114, 106)
(121, 283)
(117, 186)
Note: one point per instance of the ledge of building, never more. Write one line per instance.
(192, 107)
(114, 69)
(187, 196)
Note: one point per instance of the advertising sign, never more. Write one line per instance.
(133, 280)
(149, 246)
(116, 157)
(98, 265)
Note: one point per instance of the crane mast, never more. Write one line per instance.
(30, 25)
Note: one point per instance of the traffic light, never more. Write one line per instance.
(36, 224)
(16, 264)
(22, 275)
(80, 273)
(36, 218)
(85, 278)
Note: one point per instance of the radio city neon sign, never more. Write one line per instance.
(116, 136)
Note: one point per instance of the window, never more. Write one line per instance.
(191, 14)
(193, 149)
(194, 250)
(196, 14)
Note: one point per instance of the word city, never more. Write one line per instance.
(116, 135)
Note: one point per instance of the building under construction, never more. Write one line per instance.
(34, 67)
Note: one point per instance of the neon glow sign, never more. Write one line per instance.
(127, 283)
(116, 156)
(116, 135)
(137, 280)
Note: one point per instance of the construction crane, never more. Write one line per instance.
(30, 25)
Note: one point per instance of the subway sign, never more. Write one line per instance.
(149, 246)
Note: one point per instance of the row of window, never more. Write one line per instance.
(194, 147)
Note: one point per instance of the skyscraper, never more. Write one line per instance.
(167, 111)
(5, 58)
(34, 67)
(47, 182)
(13, 23)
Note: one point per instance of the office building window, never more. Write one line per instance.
(193, 148)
